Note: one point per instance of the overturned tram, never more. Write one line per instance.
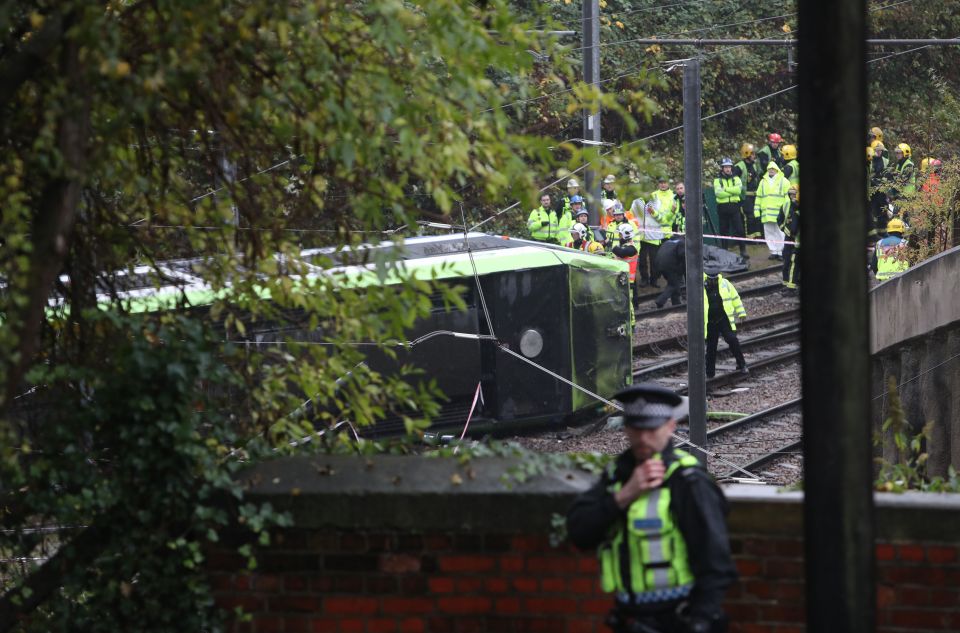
(561, 331)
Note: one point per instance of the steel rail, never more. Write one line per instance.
(746, 292)
(764, 459)
(746, 274)
(754, 418)
(680, 341)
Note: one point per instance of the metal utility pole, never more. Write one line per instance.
(838, 505)
(693, 180)
(591, 120)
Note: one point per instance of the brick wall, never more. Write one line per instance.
(386, 553)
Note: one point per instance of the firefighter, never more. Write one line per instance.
(771, 196)
(727, 187)
(771, 152)
(564, 204)
(542, 222)
(889, 259)
(749, 176)
(579, 239)
(722, 309)
(659, 523)
(904, 174)
(791, 170)
(789, 222)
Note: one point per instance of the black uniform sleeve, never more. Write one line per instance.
(591, 516)
(700, 509)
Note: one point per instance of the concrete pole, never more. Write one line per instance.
(693, 180)
(591, 120)
(838, 506)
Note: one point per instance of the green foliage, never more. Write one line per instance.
(908, 470)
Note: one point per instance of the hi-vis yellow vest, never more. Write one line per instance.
(647, 556)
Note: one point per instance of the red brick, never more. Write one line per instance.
(588, 566)
(781, 613)
(885, 551)
(596, 605)
(352, 626)
(440, 585)
(582, 585)
(748, 567)
(582, 626)
(495, 585)
(543, 565)
(381, 584)
(912, 553)
(466, 563)
(381, 626)
(942, 555)
(759, 589)
(511, 564)
(268, 624)
(525, 584)
(553, 585)
(944, 598)
(293, 624)
(437, 543)
(352, 542)
(407, 605)
(324, 625)
(760, 547)
(778, 569)
(549, 605)
(413, 585)
(913, 575)
(507, 605)
(886, 596)
(440, 625)
(913, 596)
(914, 619)
(464, 604)
(790, 592)
(792, 548)
(295, 583)
(399, 563)
(528, 543)
(248, 604)
(412, 625)
(349, 605)
(471, 625)
(267, 582)
(469, 585)
(302, 604)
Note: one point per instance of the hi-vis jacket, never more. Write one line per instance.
(732, 304)
(771, 194)
(539, 231)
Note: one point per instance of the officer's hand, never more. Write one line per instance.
(695, 624)
(545, 223)
(646, 476)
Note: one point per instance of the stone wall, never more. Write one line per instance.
(396, 545)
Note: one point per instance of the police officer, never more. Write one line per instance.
(659, 522)
(727, 187)
(722, 307)
(542, 222)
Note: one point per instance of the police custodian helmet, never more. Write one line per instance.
(650, 406)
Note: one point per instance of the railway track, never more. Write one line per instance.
(679, 342)
(736, 278)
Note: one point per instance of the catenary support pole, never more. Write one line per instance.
(591, 120)
(693, 181)
(838, 506)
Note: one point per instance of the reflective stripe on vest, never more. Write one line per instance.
(648, 554)
(795, 172)
(889, 263)
(721, 186)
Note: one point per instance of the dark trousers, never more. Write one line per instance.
(672, 291)
(646, 268)
(666, 621)
(716, 329)
(754, 226)
(731, 223)
(791, 266)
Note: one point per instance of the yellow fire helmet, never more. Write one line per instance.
(747, 150)
(896, 225)
(789, 152)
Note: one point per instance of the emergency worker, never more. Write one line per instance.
(727, 187)
(664, 199)
(750, 176)
(904, 174)
(789, 222)
(679, 212)
(770, 152)
(611, 206)
(889, 259)
(874, 137)
(564, 204)
(651, 236)
(609, 187)
(659, 523)
(722, 309)
(622, 245)
(791, 170)
(771, 196)
(542, 223)
(579, 234)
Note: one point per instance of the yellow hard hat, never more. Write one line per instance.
(877, 133)
(869, 153)
(795, 188)
(789, 152)
(924, 164)
(903, 147)
(896, 225)
(747, 150)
